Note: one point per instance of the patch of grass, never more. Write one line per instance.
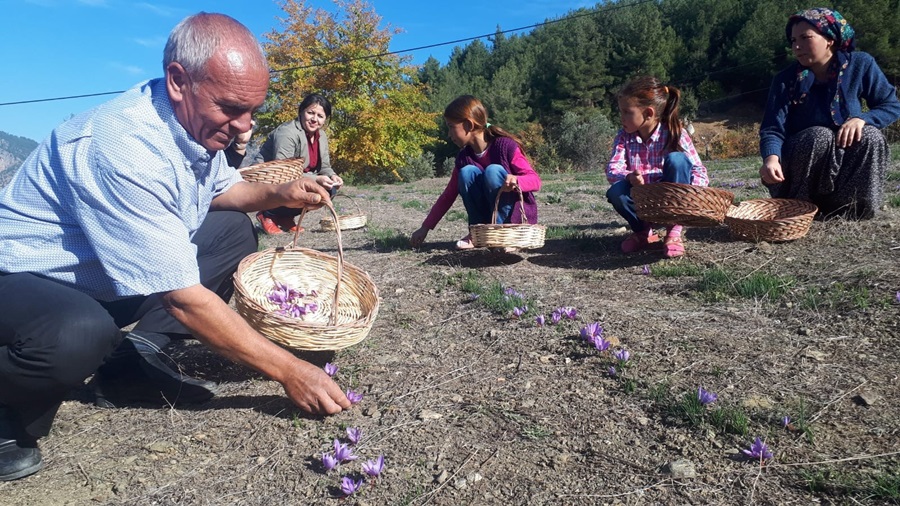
(690, 409)
(762, 285)
(894, 201)
(553, 198)
(456, 215)
(730, 420)
(894, 175)
(715, 285)
(575, 206)
(882, 485)
(556, 187)
(837, 296)
(493, 295)
(536, 432)
(565, 233)
(388, 239)
(414, 204)
(593, 176)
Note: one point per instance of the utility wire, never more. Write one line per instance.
(372, 56)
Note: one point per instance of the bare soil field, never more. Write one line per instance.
(470, 404)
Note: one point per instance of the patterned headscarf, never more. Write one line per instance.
(832, 26)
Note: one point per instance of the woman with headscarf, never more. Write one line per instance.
(816, 142)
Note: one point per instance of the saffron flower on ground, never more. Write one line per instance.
(353, 397)
(540, 320)
(622, 355)
(519, 311)
(645, 270)
(758, 451)
(555, 316)
(330, 369)
(569, 312)
(600, 343)
(591, 331)
(354, 434)
(786, 421)
(329, 462)
(348, 486)
(611, 371)
(342, 452)
(706, 397)
(373, 468)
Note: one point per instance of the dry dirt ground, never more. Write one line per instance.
(470, 405)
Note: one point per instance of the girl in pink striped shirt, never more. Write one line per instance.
(651, 147)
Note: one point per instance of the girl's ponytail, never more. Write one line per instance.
(670, 117)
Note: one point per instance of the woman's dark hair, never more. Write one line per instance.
(315, 99)
(467, 107)
(647, 91)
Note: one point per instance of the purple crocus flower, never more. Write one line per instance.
(519, 311)
(600, 343)
(611, 371)
(706, 397)
(348, 486)
(645, 270)
(354, 397)
(354, 434)
(570, 312)
(898, 297)
(540, 320)
(622, 355)
(330, 369)
(758, 451)
(473, 296)
(329, 462)
(312, 307)
(555, 317)
(591, 330)
(785, 421)
(374, 468)
(342, 452)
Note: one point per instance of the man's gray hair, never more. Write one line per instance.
(196, 38)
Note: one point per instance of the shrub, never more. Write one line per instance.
(417, 167)
(585, 139)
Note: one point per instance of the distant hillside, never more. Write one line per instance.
(13, 151)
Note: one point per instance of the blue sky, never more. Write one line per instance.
(58, 48)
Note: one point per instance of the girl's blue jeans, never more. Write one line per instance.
(677, 168)
(479, 189)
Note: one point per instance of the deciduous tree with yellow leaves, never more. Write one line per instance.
(378, 120)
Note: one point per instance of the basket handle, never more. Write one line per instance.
(332, 319)
(353, 201)
(497, 204)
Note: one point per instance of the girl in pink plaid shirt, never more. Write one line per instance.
(651, 147)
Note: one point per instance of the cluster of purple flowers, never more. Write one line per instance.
(593, 333)
(353, 396)
(292, 302)
(558, 314)
(342, 453)
(758, 451)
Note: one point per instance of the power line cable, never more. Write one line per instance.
(373, 56)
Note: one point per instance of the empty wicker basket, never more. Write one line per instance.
(771, 220)
(681, 204)
(274, 172)
(346, 296)
(508, 235)
(346, 221)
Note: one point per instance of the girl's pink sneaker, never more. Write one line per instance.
(639, 241)
(465, 242)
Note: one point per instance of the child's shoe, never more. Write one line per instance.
(639, 241)
(287, 223)
(465, 242)
(673, 247)
(267, 224)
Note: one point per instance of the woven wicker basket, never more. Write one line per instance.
(347, 297)
(508, 235)
(274, 172)
(771, 220)
(681, 204)
(346, 221)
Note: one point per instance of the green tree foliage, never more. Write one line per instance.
(379, 120)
